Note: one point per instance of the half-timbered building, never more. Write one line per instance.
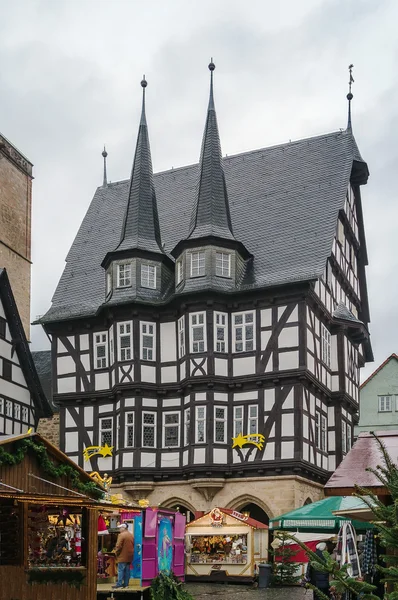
(211, 322)
(22, 401)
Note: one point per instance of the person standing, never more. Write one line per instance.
(124, 551)
(318, 578)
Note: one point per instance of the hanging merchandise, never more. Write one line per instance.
(347, 550)
(369, 554)
(102, 528)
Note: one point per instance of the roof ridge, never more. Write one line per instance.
(379, 368)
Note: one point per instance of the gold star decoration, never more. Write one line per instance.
(93, 450)
(106, 450)
(255, 439)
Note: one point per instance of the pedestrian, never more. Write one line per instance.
(318, 578)
(124, 551)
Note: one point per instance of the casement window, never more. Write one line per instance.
(181, 337)
(238, 420)
(223, 264)
(197, 264)
(25, 414)
(197, 332)
(7, 370)
(106, 431)
(101, 350)
(220, 332)
(8, 408)
(344, 437)
(123, 275)
(385, 403)
(118, 433)
(111, 346)
(125, 340)
(340, 232)
(3, 323)
(149, 430)
(171, 429)
(108, 283)
(220, 424)
(349, 437)
(243, 331)
(147, 341)
(129, 430)
(252, 422)
(179, 271)
(320, 431)
(17, 412)
(148, 276)
(325, 345)
(187, 426)
(200, 425)
(1, 406)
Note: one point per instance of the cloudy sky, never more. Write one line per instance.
(69, 82)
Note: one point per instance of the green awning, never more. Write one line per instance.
(319, 516)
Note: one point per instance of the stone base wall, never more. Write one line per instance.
(275, 495)
(49, 429)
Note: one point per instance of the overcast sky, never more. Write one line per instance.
(69, 82)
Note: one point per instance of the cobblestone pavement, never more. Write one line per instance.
(205, 591)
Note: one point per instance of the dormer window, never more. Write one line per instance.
(123, 275)
(197, 264)
(223, 264)
(179, 272)
(148, 276)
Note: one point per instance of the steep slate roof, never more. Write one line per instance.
(42, 360)
(284, 203)
(41, 404)
(210, 214)
(342, 312)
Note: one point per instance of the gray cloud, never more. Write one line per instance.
(69, 80)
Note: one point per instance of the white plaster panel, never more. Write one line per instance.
(200, 396)
(318, 403)
(102, 381)
(244, 366)
(182, 370)
(289, 402)
(106, 408)
(220, 456)
(18, 376)
(65, 364)
(186, 399)
(149, 402)
(241, 396)
(332, 463)
(185, 458)
(84, 342)
(294, 316)
(1, 424)
(288, 360)
(5, 350)
(220, 397)
(71, 442)
(122, 375)
(105, 464)
(148, 373)
(272, 432)
(148, 459)
(335, 383)
(66, 385)
(69, 421)
(344, 412)
(287, 450)
(113, 377)
(2, 313)
(312, 404)
(8, 427)
(88, 416)
(169, 374)
(127, 459)
(310, 341)
(288, 337)
(287, 424)
(85, 360)
(71, 340)
(269, 399)
(331, 441)
(305, 427)
(305, 452)
(269, 451)
(172, 402)
(168, 349)
(170, 459)
(266, 317)
(221, 367)
(60, 346)
(199, 456)
(265, 335)
(129, 402)
(281, 310)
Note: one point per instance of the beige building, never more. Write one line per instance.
(15, 224)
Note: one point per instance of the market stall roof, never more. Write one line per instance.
(364, 453)
(318, 516)
(234, 514)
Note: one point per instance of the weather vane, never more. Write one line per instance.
(350, 68)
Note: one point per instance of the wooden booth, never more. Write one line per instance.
(225, 545)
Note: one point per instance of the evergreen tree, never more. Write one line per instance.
(386, 524)
(284, 568)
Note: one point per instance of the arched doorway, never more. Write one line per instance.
(308, 501)
(181, 506)
(255, 512)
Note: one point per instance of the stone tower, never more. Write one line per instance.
(15, 224)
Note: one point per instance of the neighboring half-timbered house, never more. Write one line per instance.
(211, 322)
(22, 401)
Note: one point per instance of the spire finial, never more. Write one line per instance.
(105, 154)
(212, 66)
(350, 97)
(144, 83)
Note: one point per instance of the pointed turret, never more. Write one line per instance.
(211, 216)
(141, 229)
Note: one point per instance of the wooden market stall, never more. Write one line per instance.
(225, 545)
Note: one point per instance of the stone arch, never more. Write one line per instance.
(308, 501)
(241, 501)
(175, 501)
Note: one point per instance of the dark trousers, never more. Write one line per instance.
(324, 590)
